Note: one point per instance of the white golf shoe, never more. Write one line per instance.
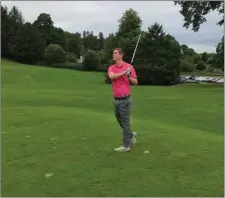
(134, 140)
(122, 149)
(127, 149)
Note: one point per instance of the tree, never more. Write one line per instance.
(189, 59)
(5, 27)
(194, 12)
(190, 52)
(57, 36)
(101, 41)
(44, 25)
(74, 42)
(128, 32)
(111, 43)
(184, 49)
(16, 16)
(187, 63)
(91, 61)
(129, 24)
(201, 65)
(159, 57)
(27, 45)
(211, 59)
(186, 66)
(102, 56)
(54, 53)
(90, 42)
(43, 21)
(157, 47)
(197, 58)
(84, 35)
(11, 22)
(220, 55)
(205, 57)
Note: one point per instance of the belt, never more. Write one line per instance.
(122, 98)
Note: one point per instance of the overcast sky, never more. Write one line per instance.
(103, 16)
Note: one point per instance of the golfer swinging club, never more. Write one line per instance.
(121, 75)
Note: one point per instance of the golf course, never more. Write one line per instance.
(59, 131)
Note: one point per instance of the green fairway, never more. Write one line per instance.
(61, 122)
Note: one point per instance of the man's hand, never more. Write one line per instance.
(128, 72)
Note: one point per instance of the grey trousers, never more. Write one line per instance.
(122, 113)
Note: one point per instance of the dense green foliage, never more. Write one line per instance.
(200, 66)
(158, 51)
(91, 61)
(71, 58)
(54, 53)
(194, 12)
(26, 47)
(219, 58)
(187, 64)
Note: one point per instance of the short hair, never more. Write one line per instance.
(119, 50)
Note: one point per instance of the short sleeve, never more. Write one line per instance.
(110, 69)
(133, 73)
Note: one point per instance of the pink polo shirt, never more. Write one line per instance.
(121, 85)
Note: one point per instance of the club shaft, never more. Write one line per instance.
(136, 47)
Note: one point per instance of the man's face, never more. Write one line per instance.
(116, 55)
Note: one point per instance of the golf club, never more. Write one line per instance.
(136, 47)
(128, 73)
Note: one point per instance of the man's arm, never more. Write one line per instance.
(133, 77)
(113, 76)
(133, 81)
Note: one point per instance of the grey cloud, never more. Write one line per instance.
(103, 16)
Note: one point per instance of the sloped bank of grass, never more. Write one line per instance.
(61, 122)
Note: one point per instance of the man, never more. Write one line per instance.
(121, 75)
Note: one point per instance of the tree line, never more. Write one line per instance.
(159, 58)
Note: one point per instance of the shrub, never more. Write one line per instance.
(54, 53)
(102, 56)
(186, 66)
(219, 71)
(103, 68)
(70, 57)
(26, 45)
(209, 69)
(91, 61)
(213, 70)
(155, 75)
(201, 66)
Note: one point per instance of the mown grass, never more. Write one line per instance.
(61, 122)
